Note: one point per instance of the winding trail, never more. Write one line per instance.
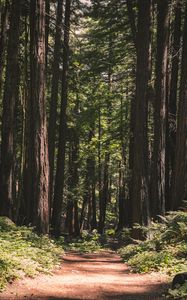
(89, 276)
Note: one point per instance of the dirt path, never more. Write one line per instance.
(89, 276)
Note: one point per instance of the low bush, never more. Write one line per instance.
(164, 249)
(23, 252)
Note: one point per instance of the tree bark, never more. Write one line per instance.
(140, 192)
(3, 38)
(173, 97)
(158, 186)
(9, 99)
(59, 180)
(54, 98)
(40, 164)
(179, 187)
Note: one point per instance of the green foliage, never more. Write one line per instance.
(89, 242)
(147, 261)
(23, 252)
(165, 249)
(178, 293)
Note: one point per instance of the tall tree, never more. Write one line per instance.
(9, 99)
(159, 151)
(39, 164)
(3, 36)
(140, 193)
(54, 97)
(173, 96)
(179, 188)
(60, 171)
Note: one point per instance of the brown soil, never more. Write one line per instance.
(89, 276)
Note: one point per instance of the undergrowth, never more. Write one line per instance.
(164, 250)
(88, 242)
(24, 253)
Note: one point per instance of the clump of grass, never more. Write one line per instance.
(23, 252)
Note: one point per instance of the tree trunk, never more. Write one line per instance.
(179, 188)
(3, 37)
(40, 164)
(159, 151)
(173, 96)
(47, 22)
(140, 192)
(54, 98)
(59, 180)
(9, 98)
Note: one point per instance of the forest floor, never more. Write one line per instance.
(89, 276)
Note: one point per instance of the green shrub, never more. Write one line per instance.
(23, 252)
(178, 293)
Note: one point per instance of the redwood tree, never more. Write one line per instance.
(60, 171)
(140, 192)
(159, 151)
(39, 166)
(9, 98)
(179, 188)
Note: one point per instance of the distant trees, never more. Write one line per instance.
(108, 148)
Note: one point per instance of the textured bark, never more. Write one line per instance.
(54, 98)
(60, 172)
(3, 37)
(158, 187)
(47, 22)
(140, 192)
(173, 98)
(179, 188)
(9, 99)
(174, 81)
(39, 165)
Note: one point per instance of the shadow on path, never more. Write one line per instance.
(89, 276)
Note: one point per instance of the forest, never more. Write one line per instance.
(93, 119)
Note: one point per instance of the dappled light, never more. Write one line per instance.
(90, 276)
(93, 149)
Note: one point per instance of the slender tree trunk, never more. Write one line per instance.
(173, 96)
(159, 152)
(9, 99)
(59, 180)
(140, 192)
(22, 215)
(88, 187)
(40, 164)
(105, 188)
(72, 207)
(3, 37)
(122, 201)
(132, 20)
(179, 188)
(54, 98)
(47, 22)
